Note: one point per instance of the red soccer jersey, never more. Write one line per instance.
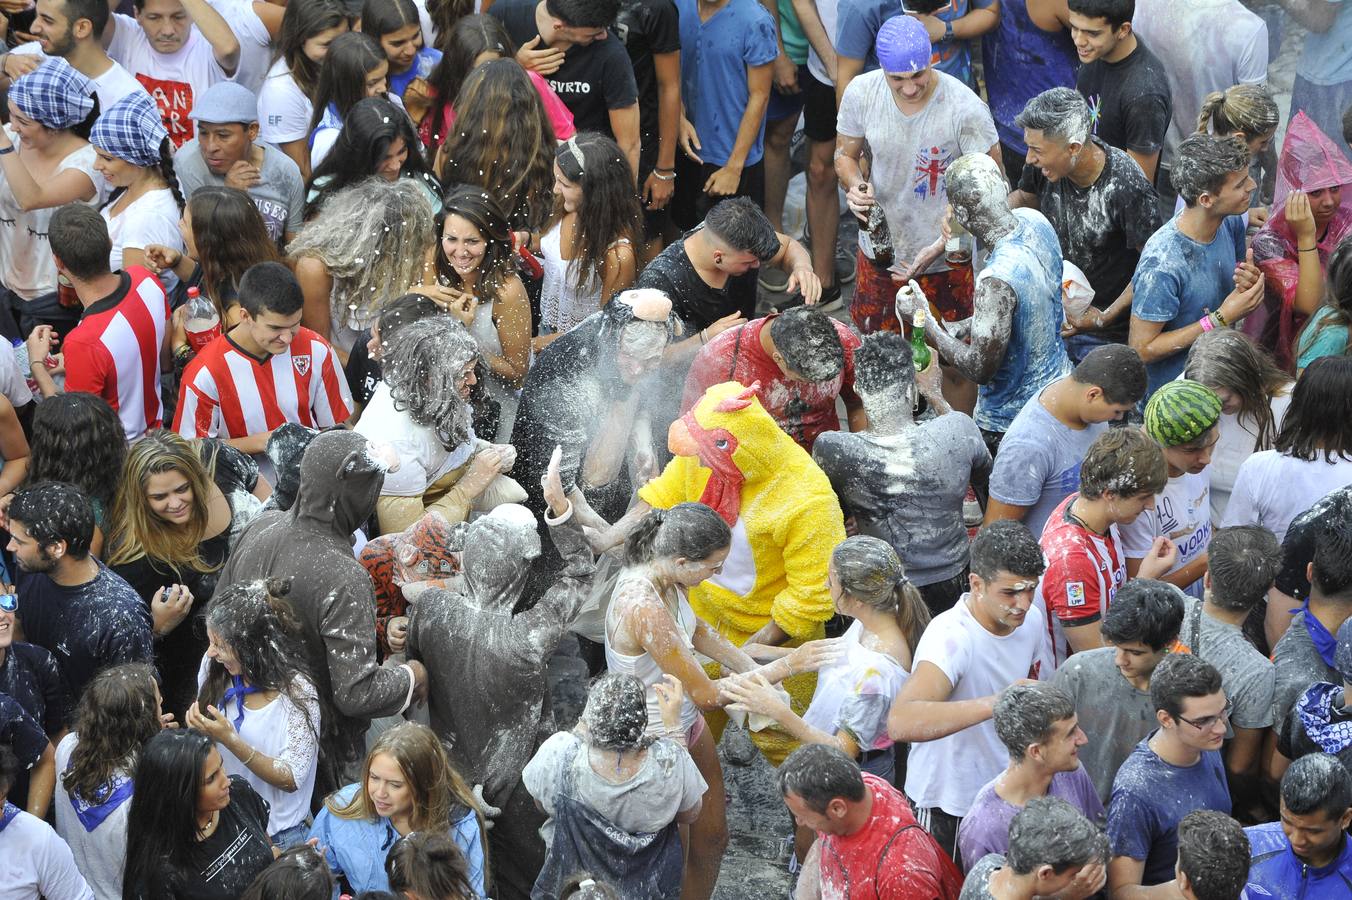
(803, 409)
(227, 393)
(890, 858)
(1084, 571)
(115, 350)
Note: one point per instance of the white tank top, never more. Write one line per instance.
(562, 305)
(643, 666)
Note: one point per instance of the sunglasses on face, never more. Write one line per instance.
(9, 602)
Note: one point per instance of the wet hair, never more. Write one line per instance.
(819, 773)
(95, 11)
(342, 75)
(78, 236)
(1116, 369)
(1332, 560)
(1243, 561)
(303, 20)
(884, 362)
(1204, 161)
(808, 341)
(870, 572)
(1317, 782)
(616, 714)
(136, 532)
(609, 210)
(1337, 297)
(116, 715)
(258, 624)
(380, 17)
(9, 769)
(1244, 108)
(1048, 831)
(497, 269)
(691, 530)
(369, 129)
(78, 438)
(1213, 851)
(584, 13)
(162, 819)
(1117, 12)
(230, 236)
(1006, 546)
(1319, 419)
(743, 226)
(55, 512)
(583, 886)
(1060, 114)
(422, 369)
(502, 141)
(300, 873)
(1025, 714)
(1144, 611)
(270, 287)
(428, 864)
(403, 311)
(1229, 359)
(462, 41)
(1125, 462)
(1180, 676)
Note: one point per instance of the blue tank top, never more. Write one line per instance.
(1021, 62)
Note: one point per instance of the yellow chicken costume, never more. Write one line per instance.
(785, 522)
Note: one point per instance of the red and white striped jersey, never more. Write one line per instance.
(227, 393)
(115, 350)
(1084, 571)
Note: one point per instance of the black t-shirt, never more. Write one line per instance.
(28, 741)
(228, 861)
(31, 676)
(696, 303)
(1101, 227)
(594, 78)
(648, 28)
(1129, 101)
(86, 627)
(1301, 535)
(361, 372)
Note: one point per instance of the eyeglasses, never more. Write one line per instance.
(1206, 722)
(9, 602)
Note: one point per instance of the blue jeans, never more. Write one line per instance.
(1078, 346)
(291, 837)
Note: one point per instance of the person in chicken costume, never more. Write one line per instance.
(731, 455)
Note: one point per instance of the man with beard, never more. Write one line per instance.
(73, 30)
(69, 602)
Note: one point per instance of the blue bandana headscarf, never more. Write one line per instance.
(54, 95)
(131, 130)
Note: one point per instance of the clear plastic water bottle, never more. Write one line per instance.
(201, 321)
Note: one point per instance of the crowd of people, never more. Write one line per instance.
(375, 362)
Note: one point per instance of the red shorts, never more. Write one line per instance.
(873, 307)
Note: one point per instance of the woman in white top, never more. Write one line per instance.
(1254, 395)
(51, 111)
(651, 632)
(258, 703)
(135, 158)
(588, 247)
(118, 712)
(284, 102)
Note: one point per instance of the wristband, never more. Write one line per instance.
(948, 32)
(7, 150)
(1220, 319)
(1307, 249)
(660, 177)
(1206, 323)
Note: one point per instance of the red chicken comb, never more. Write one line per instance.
(739, 401)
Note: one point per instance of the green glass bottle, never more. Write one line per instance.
(920, 351)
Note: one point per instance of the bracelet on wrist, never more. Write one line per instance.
(1307, 249)
(1220, 319)
(251, 757)
(660, 177)
(1206, 322)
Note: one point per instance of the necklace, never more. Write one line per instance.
(204, 831)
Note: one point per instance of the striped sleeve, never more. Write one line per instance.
(330, 399)
(198, 413)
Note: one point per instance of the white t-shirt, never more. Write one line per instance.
(26, 264)
(1272, 489)
(1236, 444)
(911, 153)
(1182, 513)
(828, 11)
(109, 87)
(855, 693)
(151, 218)
(173, 79)
(949, 771)
(35, 862)
(422, 457)
(100, 854)
(283, 109)
(255, 44)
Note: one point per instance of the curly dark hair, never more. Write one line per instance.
(77, 438)
(116, 716)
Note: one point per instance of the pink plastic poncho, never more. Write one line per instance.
(1309, 162)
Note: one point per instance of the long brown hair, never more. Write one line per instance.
(138, 532)
(230, 236)
(1228, 359)
(116, 716)
(609, 210)
(871, 573)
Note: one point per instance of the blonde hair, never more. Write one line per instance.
(138, 532)
(1245, 108)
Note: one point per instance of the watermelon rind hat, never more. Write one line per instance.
(1181, 412)
(903, 46)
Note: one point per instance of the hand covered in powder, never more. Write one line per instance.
(930, 381)
(1159, 559)
(860, 199)
(910, 297)
(752, 693)
(213, 723)
(552, 483)
(1088, 881)
(396, 633)
(1300, 217)
(419, 681)
(814, 655)
(490, 812)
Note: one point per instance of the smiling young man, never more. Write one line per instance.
(994, 637)
(73, 30)
(1174, 771)
(1125, 84)
(265, 371)
(1111, 685)
(1307, 853)
(226, 153)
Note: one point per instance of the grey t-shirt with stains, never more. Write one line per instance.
(978, 883)
(1247, 677)
(1297, 665)
(1115, 716)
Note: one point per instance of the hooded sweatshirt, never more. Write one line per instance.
(331, 594)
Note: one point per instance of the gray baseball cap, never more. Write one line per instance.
(225, 102)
